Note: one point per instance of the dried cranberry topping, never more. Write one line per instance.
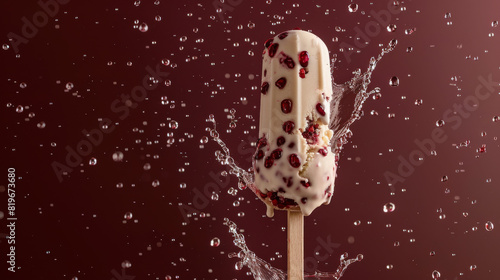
(286, 106)
(283, 35)
(269, 162)
(288, 127)
(302, 73)
(288, 181)
(288, 61)
(305, 183)
(273, 49)
(280, 83)
(264, 88)
(323, 151)
(303, 200)
(276, 154)
(294, 160)
(320, 109)
(268, 42)
(280, 141)
(291, 145)
(304, 58)
(281, 190)
(261, 142)
(311, 133)
(259, 155)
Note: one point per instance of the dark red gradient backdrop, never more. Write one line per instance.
(74, 226)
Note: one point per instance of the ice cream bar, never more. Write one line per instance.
(294, 165)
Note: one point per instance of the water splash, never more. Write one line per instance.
(262, 270)
(348, 99)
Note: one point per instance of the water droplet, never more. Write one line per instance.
(357, 222)
(440, 123)
(204, 140)
(473, 267)
(215, 196)
(432, 253)
(389, 266)
(494, 23)
(353, 7)
(447, 15)
(409, 49)
(173, 124)
(5, 47)
(182, 185)
(146, 166)
(165, 61)
(119, 185)
(391, 28)
(489, 226)
(155, 183)
(137, 3)
(69, 86)
(93, 161)
(183, 39)
(143, 27)
(389, 207)
(419, 102)
(19, 109)
(126, 264)
(158, 18)
(238, 266)
(215, 242)
(40, 125)
(117, 156)
(496, 118)
(394, 81)
(23, 85)
(128, 216)
(251, 25)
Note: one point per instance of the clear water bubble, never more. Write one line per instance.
(214, 196)
(137, 3)
(165, 61)
(440, 123)
(494, 23)
(146, 166)
(436, 275)
(119, 185)
(496, 118)
(19, 109)
(409, 49)
(92, 161)
(41, 125)
(389, 207)
(353, 7)
(473, 267)
(215, 242)
(5, 47)
(117, 156)
(155, 183)
(419, 102)
(488, 226)
(394, 81)
(126, 264)
(69, 86)
(173, 124)
(391, 28)
(182, 185)
(183, 39)
(158, 18)
(143, 27)
(357, 222)
(23, 85)
(128, 216)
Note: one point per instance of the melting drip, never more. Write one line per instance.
(262, 270)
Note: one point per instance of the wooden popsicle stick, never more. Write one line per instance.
(295, 245)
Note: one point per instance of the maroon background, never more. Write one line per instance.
(75, 228)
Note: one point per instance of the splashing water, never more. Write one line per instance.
(261, 270)
(346, 108)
